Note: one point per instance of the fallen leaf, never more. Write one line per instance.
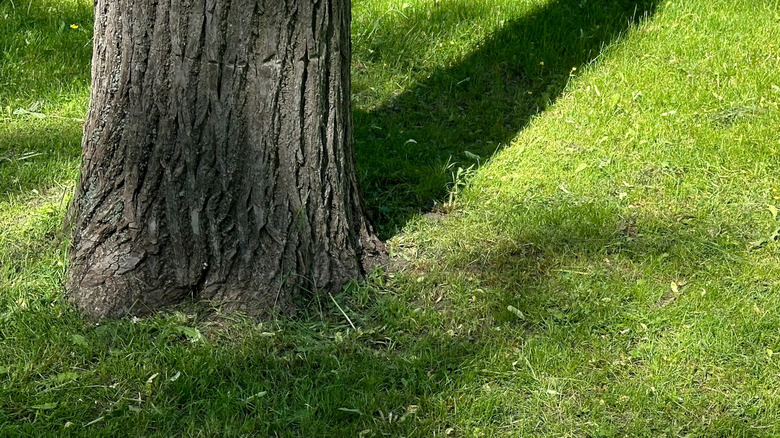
(515, 311)
(192, 333)
(772, 211)
(672, 294)
(66, 377)
(256, 396)
(472, 155)
(24, 112)
(761, 242)
(79, 340)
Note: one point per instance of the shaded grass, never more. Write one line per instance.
(612, 271)
(44, 80)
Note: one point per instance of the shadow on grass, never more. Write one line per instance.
(474, 107)
(45, 52)
(412, 372)
(420, 365)
(37, 156)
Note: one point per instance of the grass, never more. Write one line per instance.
(609, 264)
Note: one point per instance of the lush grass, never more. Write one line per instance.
(44, 80)
(444, 82)
(613, 270)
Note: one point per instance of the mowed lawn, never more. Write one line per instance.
(581, 198)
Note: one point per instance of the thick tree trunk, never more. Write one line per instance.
(217, 157)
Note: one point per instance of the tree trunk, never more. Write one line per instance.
(217, 157)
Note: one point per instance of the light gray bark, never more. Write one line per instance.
(217, 157)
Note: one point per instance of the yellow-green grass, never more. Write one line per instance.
(604, 263)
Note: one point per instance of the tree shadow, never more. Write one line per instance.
(44, 76)
(418, 367)
(38, 157)
(405, 147)
(318, 378)
(569, 321)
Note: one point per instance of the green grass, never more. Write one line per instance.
(608, 266)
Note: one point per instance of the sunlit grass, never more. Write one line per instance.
(609, 263)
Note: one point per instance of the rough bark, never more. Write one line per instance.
(217, 157)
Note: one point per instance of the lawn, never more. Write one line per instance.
(581, 198)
